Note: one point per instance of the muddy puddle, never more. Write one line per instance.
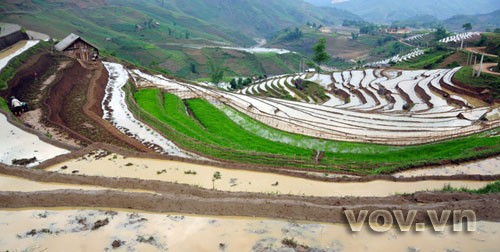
(490, 166)
(113, 165)
(120, 230)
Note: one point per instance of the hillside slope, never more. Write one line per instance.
(233, 21)
(479, 22)
(173, 35)
(384, 11)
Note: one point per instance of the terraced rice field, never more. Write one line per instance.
(417, 109)
(397, 58)
(459, 37)
(259, 130)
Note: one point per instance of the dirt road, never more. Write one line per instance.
(486, 68)
(479, 50)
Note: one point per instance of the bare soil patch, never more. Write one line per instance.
(458, 57)
(257, 205)
(66, 103)
(34, 118)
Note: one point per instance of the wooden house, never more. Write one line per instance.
(76, 47)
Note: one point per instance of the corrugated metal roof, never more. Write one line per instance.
(70, 39)
(63, 44)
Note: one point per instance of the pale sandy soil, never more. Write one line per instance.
(242, 181)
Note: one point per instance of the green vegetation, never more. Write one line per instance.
(311, 89)
(488, 189)
(467, 27)
(3, 105)
(320, 54)
(440, 33)
(260, 129)
(303, 88)
(199, 126)
(217, 73)
(157, 34)
(288, 35)
(490, 81)
(387, 48)
(491, 41)
(9, 71)
(237, 83)
(208, 124)
(429, 60)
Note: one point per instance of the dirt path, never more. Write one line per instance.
(402, 41)
(479, 50)
(486, 68)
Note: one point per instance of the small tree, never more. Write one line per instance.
(248, 81)
(215, 177)
(440, 33)
(217, 73)
(233, 84)
(467, 27)
(320, 54)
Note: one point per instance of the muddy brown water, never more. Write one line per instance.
(232, 180)
(16, 184)
(59, 229)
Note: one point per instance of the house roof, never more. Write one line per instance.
(70, 39)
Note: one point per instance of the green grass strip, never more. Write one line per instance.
(489, 81)
(488, 189)
(230, 135)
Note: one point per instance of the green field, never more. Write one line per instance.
(485, 80)
(199, 126)
(429, 60)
